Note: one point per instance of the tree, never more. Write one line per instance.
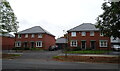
(8, 20)
(109, 21)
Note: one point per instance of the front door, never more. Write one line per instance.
(92, 44)
(32, 44)
(25, 44)
(83, 44)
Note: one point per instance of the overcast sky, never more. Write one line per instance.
(55, 15)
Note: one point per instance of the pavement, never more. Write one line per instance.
(43, 60)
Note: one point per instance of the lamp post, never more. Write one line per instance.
(65, 49)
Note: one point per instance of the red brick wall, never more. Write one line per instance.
(7, 43)
(47, 40)
(88, 38)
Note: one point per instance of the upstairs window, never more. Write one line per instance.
(101, 34)
(92, 33)
(39, 35)
(19, 35)
(83, 33)
(26, 35)
(32, 36)
(73, 34)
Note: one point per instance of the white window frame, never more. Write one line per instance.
(18, 44)
(83, 34)
(101, 34)
(19, 35)
(32, 36)
(73, 34)
(73, 44)
(38, 43)
(26, 35)
(103, 43)
(39, 35)
(92, 33)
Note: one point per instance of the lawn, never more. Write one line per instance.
(88, 52)
(9, 56)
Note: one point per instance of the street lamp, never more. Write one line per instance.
(65, 49)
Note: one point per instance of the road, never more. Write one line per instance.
(43, 60)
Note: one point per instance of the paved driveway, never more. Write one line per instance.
(43, 60)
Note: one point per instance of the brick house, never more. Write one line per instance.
(35, 37)
(87, 36)
(7, 41)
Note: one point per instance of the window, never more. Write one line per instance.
(73, 34)
(83, 33)
(39, 35)
(32, 36)
(73, 43)
(103, 43)
(17, 44)
(26, 35)
(19, 35)
(39, 44)
(101, 34)
(91, 33)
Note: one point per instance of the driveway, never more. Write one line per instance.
(43, 60)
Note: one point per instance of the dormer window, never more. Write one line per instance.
(39, 35)
(26, 35)
(73, 34)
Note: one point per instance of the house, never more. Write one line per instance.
(87, 36)
(7, 41)
(61, 42)
(35, 37)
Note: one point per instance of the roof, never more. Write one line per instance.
(84, 27)
(6, 35)
(61, 40)
(35, 29)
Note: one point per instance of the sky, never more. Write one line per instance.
(55, 15)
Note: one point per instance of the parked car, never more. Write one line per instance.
(116, 47)
(52, 48)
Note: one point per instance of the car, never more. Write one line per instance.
(53, 48)
(116, 47)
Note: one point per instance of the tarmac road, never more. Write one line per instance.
(43, 60)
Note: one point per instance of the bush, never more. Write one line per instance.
(76, 49)
(26, 48)
(17, 48)
(88, 48)
(36, 49)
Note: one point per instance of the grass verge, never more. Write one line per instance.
(7, 56)
(92, 59)
(88, 52)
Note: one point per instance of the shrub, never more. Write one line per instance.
(88, 48)
(17, 48)
(76, 49)
(36, 49)
(26, 48)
